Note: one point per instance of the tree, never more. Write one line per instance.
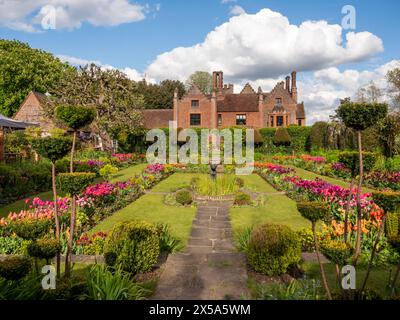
(110, 92)
(359, 117)
(202, 80)
(23, 69)
(389, 132)
(159, 96)
(75, 117)
(53, 148)
(393, 78)
(370, 93)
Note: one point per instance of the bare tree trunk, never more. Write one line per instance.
(346, 213)
(381, 228)
(359, 209)
(323, 276)
(71, 238)
(57, 222)
(71, 165)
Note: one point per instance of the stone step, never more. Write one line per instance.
(212, 224)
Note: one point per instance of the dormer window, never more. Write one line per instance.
(278, 101)
(195, 103)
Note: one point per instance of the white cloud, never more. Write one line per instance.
(132, 74)
(27, 15)
(322, 91)
(266, 45)
(237, 11)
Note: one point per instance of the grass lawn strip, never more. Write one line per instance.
(278, 208)
(151, 208)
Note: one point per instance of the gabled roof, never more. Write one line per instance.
(238, 103)
(42, 98)
(247, 89)
(157, 118)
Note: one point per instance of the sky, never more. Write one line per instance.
(256, 41)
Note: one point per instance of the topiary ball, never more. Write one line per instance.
(273, 249)
(337, 251)
(184, 197)
(133, 246)
(313, 211)
(15, 267)
(242, 199)
(44, 249)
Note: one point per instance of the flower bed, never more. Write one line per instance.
(333, 226)
(376, 179)
(94, 204)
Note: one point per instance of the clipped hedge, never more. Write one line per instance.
(133, 246)
(273, 249)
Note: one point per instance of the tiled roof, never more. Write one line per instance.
(157, 118)
(238, 103)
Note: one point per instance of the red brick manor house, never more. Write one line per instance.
(223, 108)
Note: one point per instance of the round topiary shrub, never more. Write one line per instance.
(273, 249)
(44, 249)
(15, 267)
(306, 239)
(242, 199)
(337, 251)
(282, 137)
(31, 229)
(184, 197)
(313, 211)
(133, 246)
(75, 183)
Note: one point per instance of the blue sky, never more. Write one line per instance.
(156, 27)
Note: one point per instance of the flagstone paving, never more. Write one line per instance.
(210, 268)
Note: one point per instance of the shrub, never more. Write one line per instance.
(13, 245)
(75, 183)
(242, 199)
(313, 211)
(168, 243)
(387, 200)
(45, 249)
(392, 224)
(350, 159)
(295, 290)
(299, 136)
(184, 197)
(75, 117)
(282, 137)
(239, 182)
(273, 248)
(108, 171)
(103, 284)
(243, 239)
(319, 136)
(15, 267)
(360, 116)
(306, 239)
(31, 229)
(337, 251)
(52, 148)
(134, 246)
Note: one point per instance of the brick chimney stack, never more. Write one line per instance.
(218, 81)
(294, 86)
(288, 83)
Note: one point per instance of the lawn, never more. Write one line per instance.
(151, 208)
(377, 281)
(305, 174)
(19, 205)
(278, 208)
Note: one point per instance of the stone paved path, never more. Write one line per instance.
(210, 268)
